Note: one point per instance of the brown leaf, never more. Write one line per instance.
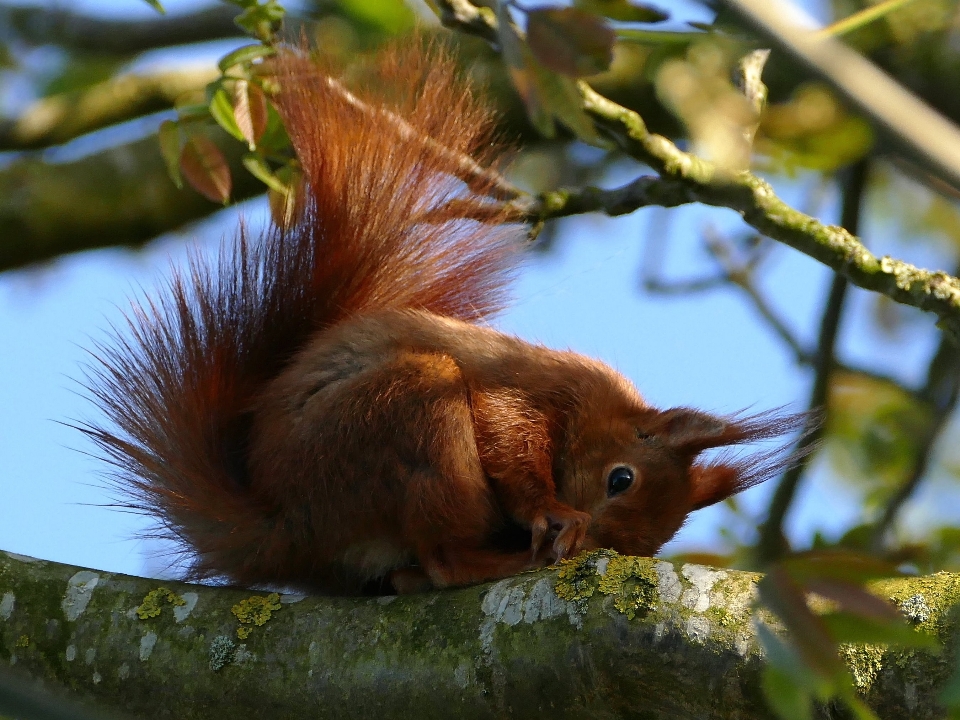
(842, 565)
(808, 632)
(250, 110)
(205, 168)
(570, 41)
(853, 598)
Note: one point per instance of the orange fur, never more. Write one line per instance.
(320, 409)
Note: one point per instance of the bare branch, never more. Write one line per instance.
(59, 118)
(42, 25)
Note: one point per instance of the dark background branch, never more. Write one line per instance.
(772, 543)
(39, 25)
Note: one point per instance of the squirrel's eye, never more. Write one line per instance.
(619, 479)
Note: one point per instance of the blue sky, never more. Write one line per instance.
(707, 351)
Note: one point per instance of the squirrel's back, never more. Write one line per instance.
(395, 213)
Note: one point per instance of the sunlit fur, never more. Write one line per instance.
(320, 408)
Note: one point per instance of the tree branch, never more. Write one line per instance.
(59, 118)
(686, 178)
(772, 542)
(41, 25)
(606, 636)
(121, 196)
(911, 125)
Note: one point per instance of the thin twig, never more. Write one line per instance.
(686, 178)
(772, 542)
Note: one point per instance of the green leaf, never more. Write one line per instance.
(205, 168)
(570, 41)
(843, 565)
(243, 55)
(623, 10)
(950, 695)
(274, 139)
(250, 111)
(779, 592)
(169, 137)
(156, 5)
(193, 112)
(222, 111)
(519, 64)
(849, 627)
(854, 598)
(262, 21)
(562, 99)
(389, 16)
(258, 167)
(785, 697)
(861, 711)
(546, 95)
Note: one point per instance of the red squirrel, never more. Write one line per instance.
(323, 408)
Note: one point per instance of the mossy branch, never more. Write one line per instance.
(754, 199)
(121, 196)
(687, 178)
(605, 636)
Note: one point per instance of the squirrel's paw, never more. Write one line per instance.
(567, 526)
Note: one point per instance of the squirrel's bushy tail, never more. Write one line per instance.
(388, 219)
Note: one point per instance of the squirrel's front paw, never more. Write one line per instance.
(567, 526)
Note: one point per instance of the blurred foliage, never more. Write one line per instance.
(873, 431)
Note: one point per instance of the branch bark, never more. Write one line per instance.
(41, 25)
(59, 118)
(606, 636)
(121, 196)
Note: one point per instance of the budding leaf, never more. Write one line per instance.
(205, 168)
(222, 110)
(169, 137)
(570, 41)
(250, 111)
(243, 55)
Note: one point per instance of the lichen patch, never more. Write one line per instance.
(221, 652)
(698, 628)
(153, 602)
(7, 603)
(146, 645)
(255, 610)
(940, 592)
(865, 662)
(79, 592)
(702, 579)
(668, 583)
(181, 611)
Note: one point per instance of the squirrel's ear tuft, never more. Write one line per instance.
(709, 484)
(691, 430)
